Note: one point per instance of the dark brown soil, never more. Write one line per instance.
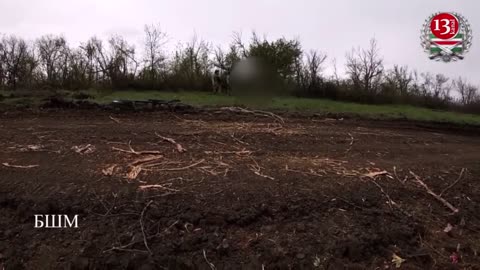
(248, 193)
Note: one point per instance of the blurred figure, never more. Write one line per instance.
(217, 82)
(253, 81)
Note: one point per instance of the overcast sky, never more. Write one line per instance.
(333, 27)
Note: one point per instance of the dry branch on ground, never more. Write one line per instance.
(254, 112)
(115, 120)
(454, 183)
(132, 151)
(179, 147)
(84, 149)
(433, 194)
(6, 164)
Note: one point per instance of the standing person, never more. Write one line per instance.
(217, 82)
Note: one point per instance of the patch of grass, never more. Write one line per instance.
(192, 98)
(279, 103)
(300, 104)
(376, 111)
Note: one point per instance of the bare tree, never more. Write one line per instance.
(155, 40)
(441, 89)
(17, 61)
(468, 92)
(239, 45)
(400, 79)
(115, 64)
(123, 57)
(219, 58)
(191, 65)
(427, 84)
(53, 54)
(314, 67)
(336, 79)
(225, 61)
(365, 67)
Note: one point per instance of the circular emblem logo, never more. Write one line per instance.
(446, 36)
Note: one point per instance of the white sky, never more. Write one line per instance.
(333, 27)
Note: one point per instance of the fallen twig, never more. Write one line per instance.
(352, 140)
(109, 170)
(243, 152)
(454, 183)
(6, 164)
(181, 168)
(157, 186)
(238, 140)
(115, 120)
(132, 151)
(212, 266)
(172, 141)
(396, 176)
(143, 227)
(429, 191)
(84, 149)
(134, 172)
(390, 201)
(255, 112)
(256, 169)
(375, 174)
(33, 148)
(142, 161)
(311, 171)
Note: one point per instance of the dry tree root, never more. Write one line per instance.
(429, 191)
(157, 186)
(454, 183)
(396, 176)
(310, 172)
(375, 174)
(391, 202)
(238, 140)
(172, 141)
(143, 227)
(134, 172)
(115, 120)
(255, 112)
(212, 266)
(109, 170)
(132, 151)
(178, 169)
(146, 160)
(243, 152)
(352, 140)
(84, 149)
(6, 164)
(256, 169)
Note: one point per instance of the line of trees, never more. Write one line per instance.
(51, 63)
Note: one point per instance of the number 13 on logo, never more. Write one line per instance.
(446, 36)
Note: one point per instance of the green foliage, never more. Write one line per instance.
(281, 54)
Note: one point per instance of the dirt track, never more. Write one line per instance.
(248, 193)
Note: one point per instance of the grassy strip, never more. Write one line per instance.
(301, 104)
(278, 103)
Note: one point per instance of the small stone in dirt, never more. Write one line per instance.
(300, 256)
(224, 245)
